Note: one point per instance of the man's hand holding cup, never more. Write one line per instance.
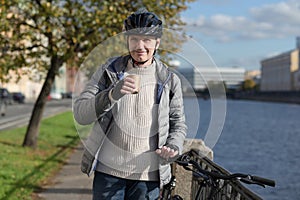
(129, 85)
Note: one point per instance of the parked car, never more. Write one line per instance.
(6, 96)
(55, 96)
(67, 95)
(18, 97)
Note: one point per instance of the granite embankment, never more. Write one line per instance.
(184, 177)
(282, 97)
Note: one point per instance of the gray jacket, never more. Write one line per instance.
(94, 106)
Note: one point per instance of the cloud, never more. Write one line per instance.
(214, 2)
(249, 62)
(278, 20)
(280, 13)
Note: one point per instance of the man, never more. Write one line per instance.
(3, 101)
(135, 136)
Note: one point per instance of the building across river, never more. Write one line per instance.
(199, 78)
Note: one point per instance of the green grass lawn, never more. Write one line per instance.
(24, 170)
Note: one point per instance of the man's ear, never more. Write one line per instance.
(157, 43)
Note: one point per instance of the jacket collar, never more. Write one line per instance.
(162, 71)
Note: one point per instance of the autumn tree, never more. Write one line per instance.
(42, 35)
(248, 84)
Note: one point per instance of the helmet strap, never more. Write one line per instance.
(136, 63)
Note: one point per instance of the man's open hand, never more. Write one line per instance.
(166, 152)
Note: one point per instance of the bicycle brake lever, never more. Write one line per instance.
(182, 163)
(183, 160)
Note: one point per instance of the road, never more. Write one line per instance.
(19, 114)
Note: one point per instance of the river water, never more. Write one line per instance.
(259, 138)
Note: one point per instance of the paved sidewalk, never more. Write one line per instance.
(70, 182)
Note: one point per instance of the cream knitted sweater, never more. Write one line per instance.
(129, 149)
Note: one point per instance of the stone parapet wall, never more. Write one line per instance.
(184, 177)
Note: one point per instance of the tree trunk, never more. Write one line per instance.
(32, 132)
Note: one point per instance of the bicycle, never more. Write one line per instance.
(211, 184)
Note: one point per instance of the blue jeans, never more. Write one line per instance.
(113, 188)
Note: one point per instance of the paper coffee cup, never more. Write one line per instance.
(136, 82)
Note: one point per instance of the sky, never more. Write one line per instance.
(238, 33)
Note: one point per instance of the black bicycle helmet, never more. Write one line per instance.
(143, 22)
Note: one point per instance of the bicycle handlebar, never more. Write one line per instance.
(264, 181)
(185, 161)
